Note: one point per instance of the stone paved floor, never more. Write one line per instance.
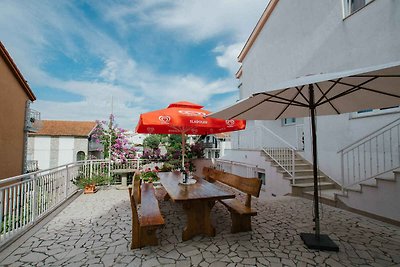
(94, 230)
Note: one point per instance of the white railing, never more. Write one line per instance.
(32, 165)
(285, 158)
(238, 168)
(27, 198)
(278, 149)
(372, 155)
(102, 167)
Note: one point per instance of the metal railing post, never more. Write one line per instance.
(66, 183)
(293, 167)
(342, 170)
(34, 200)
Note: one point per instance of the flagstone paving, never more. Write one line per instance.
(94, 230)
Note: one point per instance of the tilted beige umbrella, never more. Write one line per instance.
(321, 94)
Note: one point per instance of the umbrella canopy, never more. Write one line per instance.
(322, 94)
(185, 118)
(334, 93)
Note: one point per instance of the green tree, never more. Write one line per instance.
(153, 141)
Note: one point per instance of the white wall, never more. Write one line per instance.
(310, 37)
(275, 184)
(382, 200)
(66, 150)
(55, 151)
(41, 152)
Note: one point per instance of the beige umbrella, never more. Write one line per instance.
(321, 94)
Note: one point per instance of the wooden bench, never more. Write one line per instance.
(240, 213)
(146, 221)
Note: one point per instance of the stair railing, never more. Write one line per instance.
(238, 168)
(373, 155)
(284, 155)
(278, 149)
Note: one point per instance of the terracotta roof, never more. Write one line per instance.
(14, 69)
(65, 128)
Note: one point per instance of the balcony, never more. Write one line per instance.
(209, 145)
(33, 122)
(95, 230)
(93, 146)
(32, 166)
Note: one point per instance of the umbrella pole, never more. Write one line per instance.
(183, 150)
(316, 240)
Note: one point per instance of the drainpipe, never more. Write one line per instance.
(25, 147)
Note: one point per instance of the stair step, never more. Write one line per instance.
(299, 171)
(327, 193)
(305, 179)
(298, 166)
(310, 186)
(370, 182)
(354, 188)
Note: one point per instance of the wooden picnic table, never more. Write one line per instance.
(197, 200)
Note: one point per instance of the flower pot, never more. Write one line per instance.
(90, 189)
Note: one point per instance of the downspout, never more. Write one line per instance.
(25, 140)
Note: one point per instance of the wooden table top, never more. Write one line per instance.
(201, 190)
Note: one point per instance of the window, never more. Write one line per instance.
(352, 6)
(374, 112)
(80, 156)
(288, 121)
(261, 176)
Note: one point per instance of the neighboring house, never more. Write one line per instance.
(298, 38)
(62, 142)
(215, 145)
(136, 140)
(16, 118)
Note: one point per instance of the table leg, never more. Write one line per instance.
(124, 180)
(198, 219)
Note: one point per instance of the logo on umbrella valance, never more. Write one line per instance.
(230, 123)
(164, 119)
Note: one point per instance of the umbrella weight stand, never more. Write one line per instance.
(323, 242)
(316, 240)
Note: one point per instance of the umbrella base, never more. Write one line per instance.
(323, 243)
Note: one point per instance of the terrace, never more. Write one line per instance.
(95, 230)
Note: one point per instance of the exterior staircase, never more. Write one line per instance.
(303, 184)
(330, 193)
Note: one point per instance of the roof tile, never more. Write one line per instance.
(65, 128)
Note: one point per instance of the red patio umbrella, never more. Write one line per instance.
(185, 118)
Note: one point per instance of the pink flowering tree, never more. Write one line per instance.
(114, 141)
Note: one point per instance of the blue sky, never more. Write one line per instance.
(78, 55)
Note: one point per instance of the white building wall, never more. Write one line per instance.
(80, 144)
(275, 184)
(41, 152)
(310, 37)
(65, 150)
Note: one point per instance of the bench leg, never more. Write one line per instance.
(198, 219)
(135, 236)
(240, 223)
(146, 237)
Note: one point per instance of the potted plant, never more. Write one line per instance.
(88, 184)
(149, 176)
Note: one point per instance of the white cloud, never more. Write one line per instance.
(50, 26)
(228, 56)
(194, 20)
